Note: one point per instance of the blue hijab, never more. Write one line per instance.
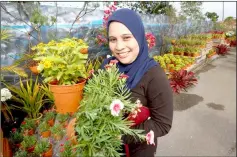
(143, 62)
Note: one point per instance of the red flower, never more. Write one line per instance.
(13, 129)
(67, 138)
(151, 40)
(123, 76)
(115, 61)
(91, 71)
(107, 11)
(23, 123)
(115, 3)
(61, 144)
(107, 66)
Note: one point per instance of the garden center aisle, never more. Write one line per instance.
(205, 117)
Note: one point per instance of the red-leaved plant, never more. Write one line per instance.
(222, 49)
(180, 80)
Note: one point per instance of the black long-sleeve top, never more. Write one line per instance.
(154, 92)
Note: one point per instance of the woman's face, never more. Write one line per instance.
(122, 43)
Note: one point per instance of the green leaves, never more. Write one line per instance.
(30, 96)
(99, 131)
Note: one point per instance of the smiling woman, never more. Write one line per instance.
(146, 80)
(122, 43)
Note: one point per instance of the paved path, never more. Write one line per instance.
(205, 117)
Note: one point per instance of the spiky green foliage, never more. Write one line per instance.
(30, 96)
(14, 69)
(98, 130)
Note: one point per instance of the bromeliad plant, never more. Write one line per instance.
(63, 62)
(100, 121)
(222, 49)
(180, 80)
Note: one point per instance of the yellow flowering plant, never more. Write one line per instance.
(62, 62)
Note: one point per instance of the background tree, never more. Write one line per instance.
(148, 7)
(192, 10)
(212, 16)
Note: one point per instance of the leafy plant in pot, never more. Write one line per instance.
(95, 135)
(180, 80)
(30, 96)
(44, 148)
(44, 129)
(63, 119)
(63, 66)
(57, 131)
(49, 117)
(28, 126)
(28, 143)
(16, 137)
(222, 49)
(67, 150)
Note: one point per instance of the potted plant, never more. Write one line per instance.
(30, 96)
(180, 80)
(28, 127)
(44, 129)
(96, 106)
(21, 153)
(44, 148)
(28, 143)
(67, 150)
(57, 131)
(63, 119)
(63, 66)
(16, 137)
(49, 117)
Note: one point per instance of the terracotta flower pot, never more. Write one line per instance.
(71, 132)
(34, 70)
(63, 93)
(46, 133)
(84, 50)
(49, 153)
(51, 122)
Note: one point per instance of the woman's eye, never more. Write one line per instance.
(112, 40)
(126, 38)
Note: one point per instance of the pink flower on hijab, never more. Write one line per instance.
(150, 138)
(116, 106)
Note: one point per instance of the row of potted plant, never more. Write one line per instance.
(170, 62)
(190, 51)
(52, 125)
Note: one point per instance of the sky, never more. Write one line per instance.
(229, 8)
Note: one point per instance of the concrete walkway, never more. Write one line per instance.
(204, 121)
